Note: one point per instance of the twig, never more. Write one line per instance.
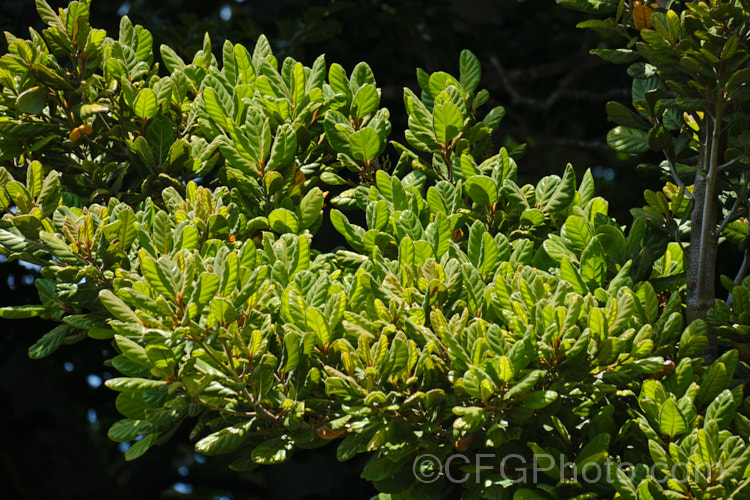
(562, 90)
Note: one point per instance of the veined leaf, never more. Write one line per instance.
(671, 421)
(141, 447)
(576, 232)
(226, 440)
(447, 122)
(470, 71)
(283, 221)
(310, 207)
(144, 104)
(284, 148)
(208, 285)
(626, 117)
(317, 323)
(21, 312)
(366, 101)
(49, 342)
(628, 140)
(364, 145)
(117, 307)
(572, 276)
(442, 235)
(32, 101)
(482, 190)
(554, 194)
(273, 451)
(215, 107)
(594, 264)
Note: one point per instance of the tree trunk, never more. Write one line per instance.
(701, 268)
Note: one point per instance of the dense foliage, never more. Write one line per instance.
(173, 213)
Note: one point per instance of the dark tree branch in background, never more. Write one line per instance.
(574, 143)
(569, 69)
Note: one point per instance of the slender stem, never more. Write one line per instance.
(742, 271)
(675, 176)
(733, 212)
(727, 164)
(709, 200)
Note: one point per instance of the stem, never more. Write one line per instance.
(742, 271)
(675, 175)
(704, 244)
(731, 216)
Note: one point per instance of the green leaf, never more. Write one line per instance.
(298, 84)
(694, 339)
(310, 207)
(283, 221)
(32, 101)
(132, 351)
(117, 307)
(49, 342)
(208, 285)
(439, 81)
(722, 409)
(526, 384)
(156, 277)
(51, 194)
(714, 381)
(226, 440)
(594, 264)
(470, 71)
(141, 447)
(318, 324)
(59, 249)
(539, 399)
(504, 369)
(172, 61)
(576, 233)
(474, 246)
(47, 13)
(595, 452)
(628, 140)
(354, 235)
(482, 190)
(284, 148)
(365, 145)
(622, 115)
(365, 102)
(127, 429)
(554, 194)
(350, 446)
(21, 312)
(590, 6)
(339, 82)
(160, 136)
(442, 235)
(378, 469)
(447, 122)
(222, 309)
(215, 107)
(34, 177)
(134, 384)
(144, 104)
(616, 56)
(273, 451)
(671, 421)
(494, 117)
(572, 276)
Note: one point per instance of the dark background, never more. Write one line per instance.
(54, 413)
